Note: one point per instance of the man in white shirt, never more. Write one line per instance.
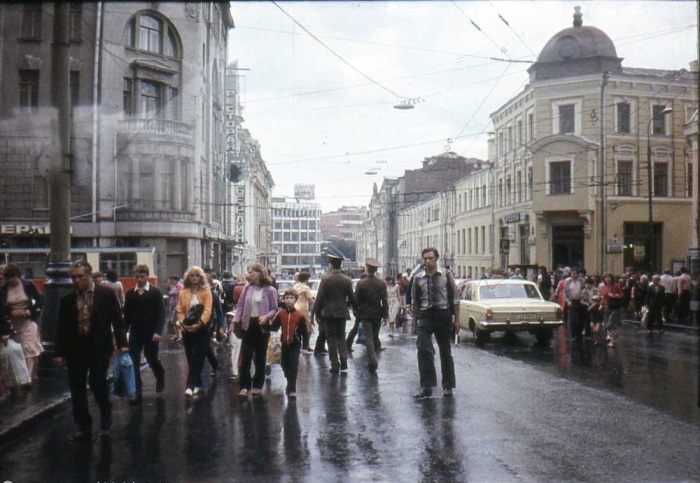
(669, 285)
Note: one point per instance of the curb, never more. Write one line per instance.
(31, 416)
(34, 414)
(691, 328)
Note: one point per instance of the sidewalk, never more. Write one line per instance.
(26, 407)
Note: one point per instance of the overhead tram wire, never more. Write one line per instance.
(332, 89)
(370, 42)
(338, 56)
(511, 29)
(476, 26)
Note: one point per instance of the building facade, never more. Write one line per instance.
(382, 237)
(148, 155)
(343, 223)
(576, 152)
(296, 237)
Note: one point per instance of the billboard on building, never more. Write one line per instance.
(305, 191)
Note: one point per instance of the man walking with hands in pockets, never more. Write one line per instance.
(436, 306)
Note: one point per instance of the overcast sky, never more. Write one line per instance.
(325, 115)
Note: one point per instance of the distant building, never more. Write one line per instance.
(380, 237)
(343, 223)
(296, 236)
(148, 165)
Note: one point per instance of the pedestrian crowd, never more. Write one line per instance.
(259, 327)
(594, 306)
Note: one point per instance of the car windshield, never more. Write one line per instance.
(282, 286)
(508, 291)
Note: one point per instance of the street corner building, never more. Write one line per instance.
(158, 153)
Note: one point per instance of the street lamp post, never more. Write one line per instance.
(650, 234)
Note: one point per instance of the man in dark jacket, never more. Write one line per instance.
(372, 308)
(86, 319)
(144, 314)
(656, 298)
(331, 307)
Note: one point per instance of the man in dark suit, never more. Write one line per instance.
(86, 319)
(144, 315)
(656, 297)
(331, 307)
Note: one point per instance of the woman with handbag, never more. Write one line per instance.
(255, 311)
(194, 308)
(13, 366)
(24, 301)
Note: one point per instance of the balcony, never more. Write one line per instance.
(155, 137)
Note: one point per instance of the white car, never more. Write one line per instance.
(508, 305)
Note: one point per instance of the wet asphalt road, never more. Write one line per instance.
(520, 413)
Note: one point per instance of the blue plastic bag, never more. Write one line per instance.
(123, 376)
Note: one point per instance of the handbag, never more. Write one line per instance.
(194, 315)
(13, 366)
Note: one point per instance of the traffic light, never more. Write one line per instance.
(234, 173)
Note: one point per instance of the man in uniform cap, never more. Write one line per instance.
(372, 308)
(331, 309)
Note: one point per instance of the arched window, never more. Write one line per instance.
(150, 32)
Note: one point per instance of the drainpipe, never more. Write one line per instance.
(96, 111)
(603, 184)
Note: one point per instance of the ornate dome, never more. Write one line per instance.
(586, 49)
(577, 42)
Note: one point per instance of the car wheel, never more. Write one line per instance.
(544, 336)
(481, 335)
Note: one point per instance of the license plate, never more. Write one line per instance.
(525, 317)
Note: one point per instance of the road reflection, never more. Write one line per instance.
(660, 370)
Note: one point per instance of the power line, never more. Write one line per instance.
(476, 26)
(511, 29)
(324, 45)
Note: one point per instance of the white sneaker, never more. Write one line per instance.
(197, 390)
(188, 392)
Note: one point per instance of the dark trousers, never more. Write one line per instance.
(654, 318)
(438, 323)
(84, 369)
(335, 332)
(669, 304)
(196, 346)
(211, 354)
(352, 334)
(320, 338)
(143, 341)
(577, 319)
(290, 364)
(254, 349)
(371, 328)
